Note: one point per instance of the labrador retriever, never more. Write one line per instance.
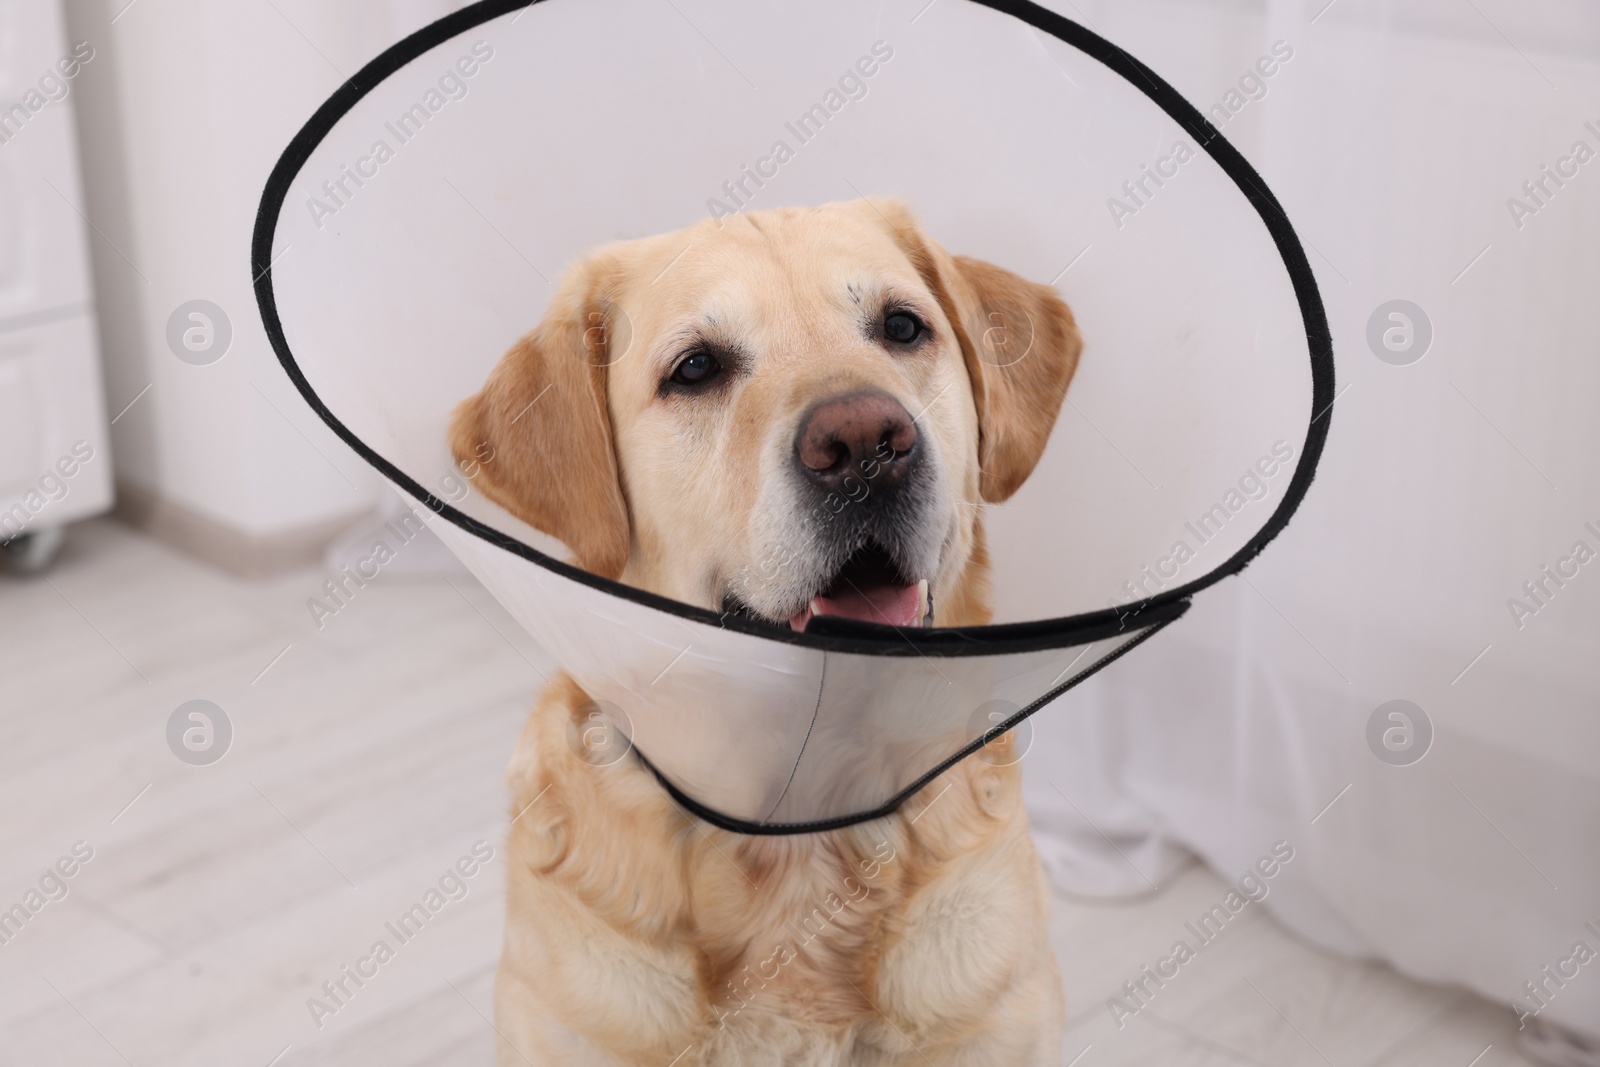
(679, 419)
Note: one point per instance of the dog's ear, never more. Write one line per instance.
(1020, 345)
(537, 438)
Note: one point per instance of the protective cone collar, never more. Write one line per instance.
(390, 302)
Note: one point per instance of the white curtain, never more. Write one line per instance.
(1396, 138)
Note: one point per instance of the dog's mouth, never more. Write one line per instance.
(868, 587)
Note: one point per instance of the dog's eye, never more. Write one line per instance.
(902, 327)
(696, 368)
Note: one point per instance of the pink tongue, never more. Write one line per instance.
(887, 605)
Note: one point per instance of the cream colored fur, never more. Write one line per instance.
(637, 934)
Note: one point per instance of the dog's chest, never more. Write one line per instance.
(794, 970)
(798, 927)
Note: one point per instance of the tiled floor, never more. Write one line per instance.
(1255, 995)
(366, 758)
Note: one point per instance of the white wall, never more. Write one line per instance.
(182, 116)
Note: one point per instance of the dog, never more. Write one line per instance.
(697, 394)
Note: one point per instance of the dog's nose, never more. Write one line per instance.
(864, 438)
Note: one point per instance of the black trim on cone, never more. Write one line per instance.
(833, 635)
(889, 807)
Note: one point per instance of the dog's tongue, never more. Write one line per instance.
(887, 605)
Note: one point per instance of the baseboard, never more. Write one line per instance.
(240, 552)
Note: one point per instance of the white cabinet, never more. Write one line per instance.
(51, 409)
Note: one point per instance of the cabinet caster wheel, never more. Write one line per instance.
(33, 552)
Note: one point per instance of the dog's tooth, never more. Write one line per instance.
(924, 604)
(815, 607)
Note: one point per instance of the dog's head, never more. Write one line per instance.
(790, 413)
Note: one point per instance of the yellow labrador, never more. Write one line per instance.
(705, 394)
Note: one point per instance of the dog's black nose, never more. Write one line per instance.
(857, 443)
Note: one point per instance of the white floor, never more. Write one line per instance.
(366, 759)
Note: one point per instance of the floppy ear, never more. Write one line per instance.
(1020, 344)
(537, 438)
